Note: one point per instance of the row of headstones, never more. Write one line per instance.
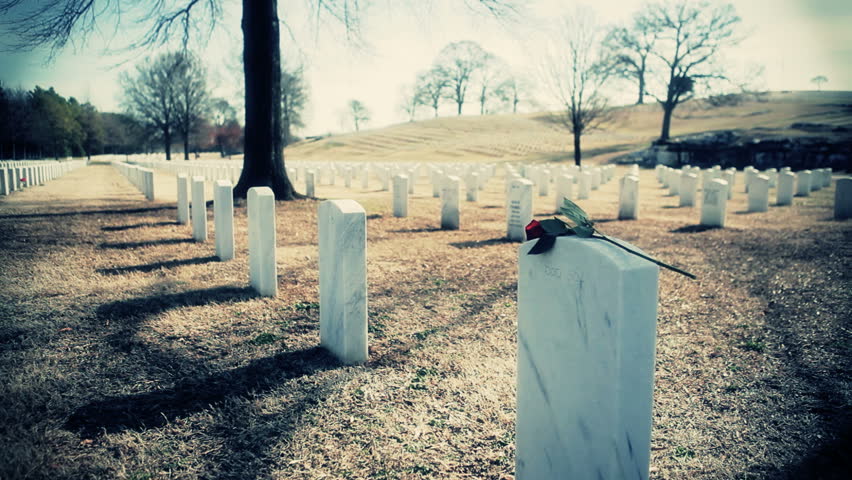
(211, 170)
(585, 366)
(141, 178)
(343, 260)
(717, 187)
(18, 175)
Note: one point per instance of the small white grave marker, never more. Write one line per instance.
(714, 203)
(564, 189)
(223, 219)
(843, 199)
(758, 194)
(400, 196)
(519, 213)
(199, 210)
(688, 189)
(786, 188)
(263, 269)
(183, 199)
(628, 198)
(803, 183)
(450, 190)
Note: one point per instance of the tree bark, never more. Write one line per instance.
(167, 143)
(668, 108)
(578, 154)
(185, 145)
(263, 163)
(641, 85)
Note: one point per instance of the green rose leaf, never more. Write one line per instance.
(544, 243)
(554, 226)
(584, 231)
(575, 213)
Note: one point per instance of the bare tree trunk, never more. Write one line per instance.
(641, 89)
(263, 164)
(578, 155)
(167, 142)
(185, 145)
(668, 109)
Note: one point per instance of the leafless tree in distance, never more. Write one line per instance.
(630, 48)
(359, 113)
(458, 62)
(575, 71)
(689, 38)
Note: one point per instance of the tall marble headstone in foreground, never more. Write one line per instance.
(714, 203)
(519, 211)
(223, 219)
(843, 199)
(199, 210)
(263, 268)
(587, 314)
(343, 280)
(450, 191)
(182, 198)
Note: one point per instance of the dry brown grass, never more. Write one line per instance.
(128, 351)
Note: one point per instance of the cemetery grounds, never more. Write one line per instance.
(128, 351)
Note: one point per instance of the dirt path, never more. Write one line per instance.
(128, 351)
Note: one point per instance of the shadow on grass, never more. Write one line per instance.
(374, 216)
(118, 228)
(129, 245)
(159, 407)
(91, 212)
(417, 230)
(124, 311)
(694, 229)
(150, 267)
(482, 243)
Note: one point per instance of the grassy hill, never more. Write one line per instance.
(535, 137)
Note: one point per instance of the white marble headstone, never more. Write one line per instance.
(758, 194)
(714, 203)
(628, 198)
(199, 210)
(450, 209)
(400, 196)
(786, 188)
(803, 183)
(843, 199)
(343, 280)
(183, 198)
(688, 189)
(519, 211)
(263, 268)
(223, 219)
(587, 314)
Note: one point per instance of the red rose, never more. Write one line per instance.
(534, 230)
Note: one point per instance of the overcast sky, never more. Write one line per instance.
(794, 40)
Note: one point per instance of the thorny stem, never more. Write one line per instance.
(634, 252)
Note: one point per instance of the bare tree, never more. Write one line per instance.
(431, 88)
(630, 48)
(689, 38)
(489, 79)
(294, 98)
(510, 92)
(409, 101)
(819, 80)
(359, 112)
(458, 62)
(575, 72)
(54, 23)
(191, 97)
(150, 95)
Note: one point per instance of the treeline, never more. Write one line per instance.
(41, 123)
(465, 71)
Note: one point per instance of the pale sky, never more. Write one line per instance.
(794, 40)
